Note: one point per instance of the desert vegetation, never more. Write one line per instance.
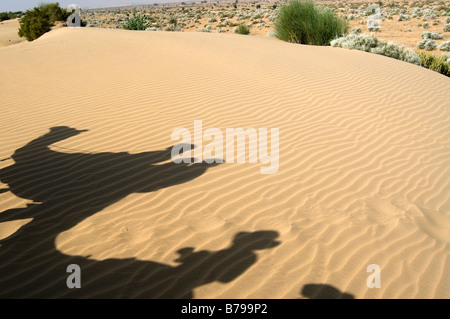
(217, 16)
(371, 44)
(40, 19)
(438, 64)
(406, 28)
(242, 29)
(303, 22)
(137, 22)
(10, 15)
(401, 22)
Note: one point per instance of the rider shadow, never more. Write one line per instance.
(323, 291)
(69, 187)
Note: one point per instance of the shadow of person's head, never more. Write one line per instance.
(256, 240)
(323, 291)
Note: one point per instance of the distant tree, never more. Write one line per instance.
(10, 15)
(4, 16)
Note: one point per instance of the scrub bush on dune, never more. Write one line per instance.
(367, 43)
(303, 22)
(362, 42)
(40, 19)
(34, 24)
(438, 64)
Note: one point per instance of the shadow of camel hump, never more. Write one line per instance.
(69, 187)
(41, 174)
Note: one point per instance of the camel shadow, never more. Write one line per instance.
(69, 187)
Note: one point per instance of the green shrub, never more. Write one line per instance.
(35, 23)
(426, 59)
(438, 64)
(54, 12)
(137, 22)
(38, 21)
(242, 29)
(4, 16)
(302, 22)
(173, 21)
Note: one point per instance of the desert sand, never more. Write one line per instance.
(8, 32)
(87, 179)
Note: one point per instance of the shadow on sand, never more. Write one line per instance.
(69, 187)
(322, 291)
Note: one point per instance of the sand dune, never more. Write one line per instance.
(87, 117)
(9, 32)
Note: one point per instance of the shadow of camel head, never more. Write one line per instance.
(56, 134)
(65, 131)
